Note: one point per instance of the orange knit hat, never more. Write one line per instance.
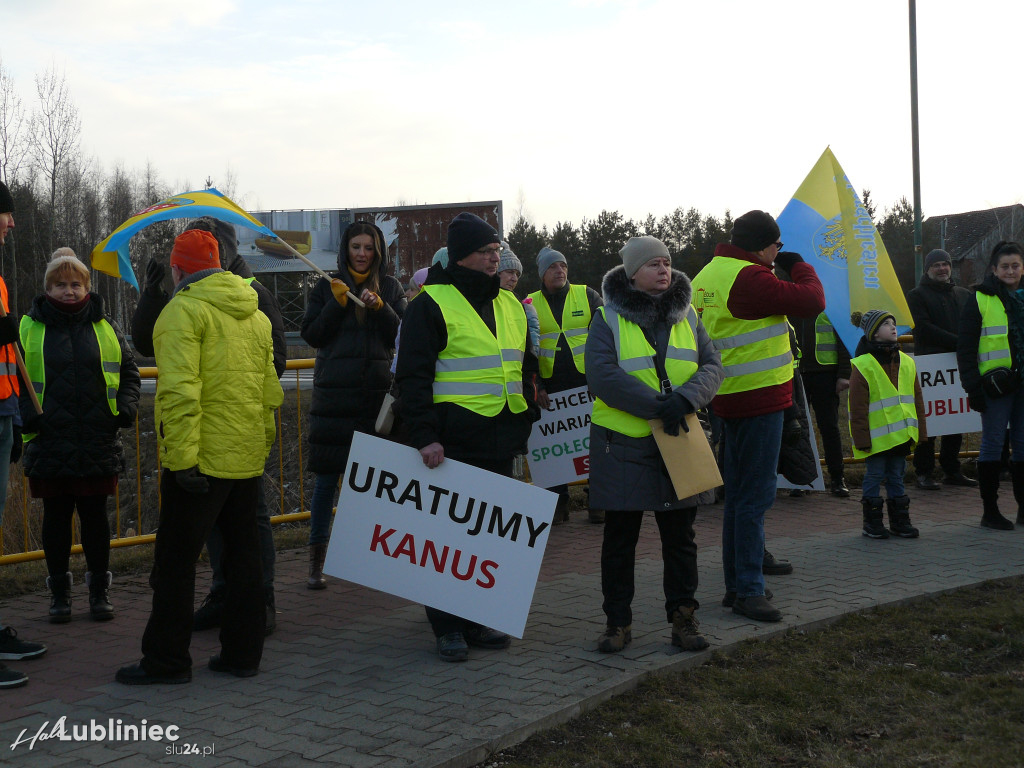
(195, 250)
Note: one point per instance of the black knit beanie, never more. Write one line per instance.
(936, 257)
(754, 231)
(6, 200)
(468, 233)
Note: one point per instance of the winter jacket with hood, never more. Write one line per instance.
(218, 387)
(352, 372)
(77, 433)
(464, 434)
(627, 473)
(936, 308)
(860, 398)
(153, 298)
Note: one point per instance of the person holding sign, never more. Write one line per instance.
(468, 382)
(648, 357)
(989, 354)
(565, 312)
(886, 420)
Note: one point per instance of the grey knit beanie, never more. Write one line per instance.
(639, 250)
(936, 257)
(509, 260)
(546, 258)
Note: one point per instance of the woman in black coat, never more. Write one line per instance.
(88, 385)
(352, 373)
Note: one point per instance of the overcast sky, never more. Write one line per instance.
(563, 107)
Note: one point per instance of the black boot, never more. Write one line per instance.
(899, 518)
(988, 486)
(317, 555)
(99, 602)
(873, 527)
(60, 597)
(1017, 472)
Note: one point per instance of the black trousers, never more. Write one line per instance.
(442, 622)
(949, 455)
(820, 387)
(186, 520)
(618, 557)
(92, 515)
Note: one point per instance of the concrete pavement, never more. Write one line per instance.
(351, 677)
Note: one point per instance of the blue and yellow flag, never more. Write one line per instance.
(111, 256)
(827, 224)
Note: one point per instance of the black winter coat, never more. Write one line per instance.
(970, 335)
(77, 433)
(564, 374)
(936, 308)
(352, 372)
(464, 434)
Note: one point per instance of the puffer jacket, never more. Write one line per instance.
(627, 473)
(218, 388)
(352, 372)
(77, 434)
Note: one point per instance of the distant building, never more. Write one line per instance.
(969, 237)
(413, 234)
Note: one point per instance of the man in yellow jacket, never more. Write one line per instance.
(215, 407)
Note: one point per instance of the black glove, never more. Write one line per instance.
(125, 419)
(977, 401)
(32, 423)
(17, 445)
(191, 480)
(786, 260)
(672, 410)
(792, 432)
(155, 273)
(8, 330)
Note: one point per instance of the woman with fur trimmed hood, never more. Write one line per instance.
(648, 357)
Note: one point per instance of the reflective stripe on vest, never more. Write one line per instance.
(636, 357)
(574, 327)
(32, 334)
(892, 414)
(478, 370)
(755, 353)
(826, 351)
(8, 366)
(994, 344)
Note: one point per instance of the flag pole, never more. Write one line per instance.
(915, 145)
(21, 369)
(351, 294)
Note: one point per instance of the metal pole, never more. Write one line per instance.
(915, 145)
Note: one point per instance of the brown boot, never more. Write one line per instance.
(686, 629)
(317, 555)
(615, 639)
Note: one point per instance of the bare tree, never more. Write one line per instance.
(56, 132)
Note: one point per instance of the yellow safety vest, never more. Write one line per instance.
(994, 343)
(574, 327)
(32, 334)
(636, 357)
(478, 370)
(755, 353)
(892, 414)
(826, 351)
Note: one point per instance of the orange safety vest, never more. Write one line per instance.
(8, 366)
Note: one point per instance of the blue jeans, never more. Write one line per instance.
(883, 466)
(751, 473)
(325, 490)
(6, 443)
(1000, 413)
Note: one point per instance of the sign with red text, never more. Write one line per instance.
(945, 403)
(559, 446)
(456, 538)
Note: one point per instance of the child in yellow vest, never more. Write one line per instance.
(886, 421)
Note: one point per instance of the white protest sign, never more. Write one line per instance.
(559, 445)
(945, 402)
(457, 538)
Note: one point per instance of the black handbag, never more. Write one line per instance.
(1000, 382)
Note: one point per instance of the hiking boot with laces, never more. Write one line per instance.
(615, 639)
(209, 613)
(686, 629)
